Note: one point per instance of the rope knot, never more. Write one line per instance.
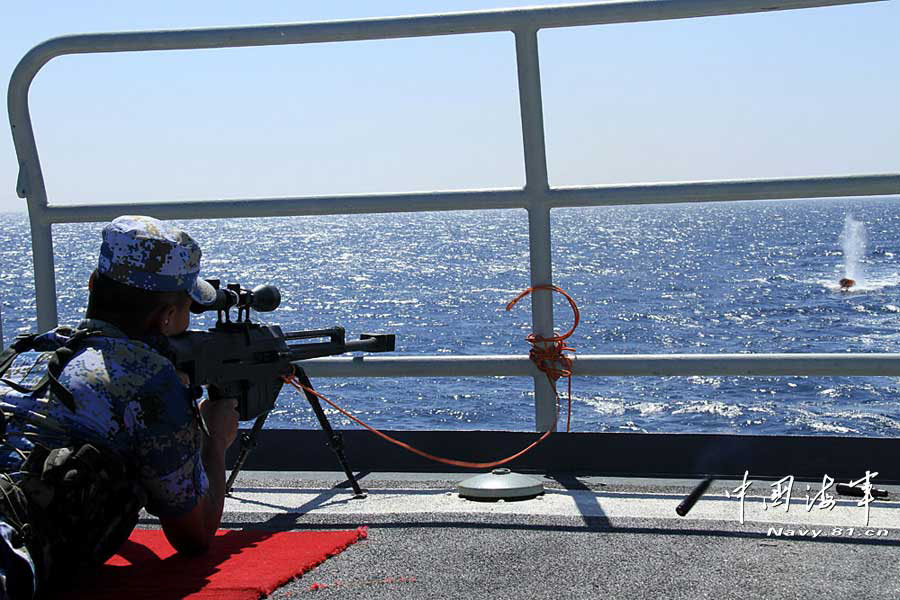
(551, 359)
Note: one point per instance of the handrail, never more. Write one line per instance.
(486, 21)
(614, 365)
(557, 197)
(537, 197)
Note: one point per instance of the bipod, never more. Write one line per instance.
(248, 443)
(335, 442)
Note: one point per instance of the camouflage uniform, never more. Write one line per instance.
(127, 396)
(128, 399)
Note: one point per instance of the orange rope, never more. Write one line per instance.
(447, 461)
(546, 354)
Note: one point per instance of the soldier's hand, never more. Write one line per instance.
(183, 377)
(221, 419)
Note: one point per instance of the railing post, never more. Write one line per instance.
(536, 186)
(30, 185)
(541, 311)
(44, 273)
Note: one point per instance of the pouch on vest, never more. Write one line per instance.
(54, 359)
(82, 504)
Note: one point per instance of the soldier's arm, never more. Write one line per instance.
(192, 532)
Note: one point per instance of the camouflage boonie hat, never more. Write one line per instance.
(146, 253)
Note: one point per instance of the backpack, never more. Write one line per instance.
(71, 506)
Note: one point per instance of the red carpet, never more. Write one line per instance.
(240, 565)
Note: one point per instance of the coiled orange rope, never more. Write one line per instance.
(547, 354)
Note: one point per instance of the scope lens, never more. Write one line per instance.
(265, 298)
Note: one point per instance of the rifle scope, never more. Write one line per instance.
(262, 298)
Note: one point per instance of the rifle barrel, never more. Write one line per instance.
(368, 343)
(304, 351)
(335, 333)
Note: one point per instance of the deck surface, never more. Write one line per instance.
(585, 537)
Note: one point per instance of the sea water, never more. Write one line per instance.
(699, 278)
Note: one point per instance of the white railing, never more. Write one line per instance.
(537, 197)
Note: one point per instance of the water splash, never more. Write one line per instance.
(853, 242)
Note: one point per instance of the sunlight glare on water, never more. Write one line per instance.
(705, 278)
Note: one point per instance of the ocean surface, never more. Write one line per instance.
(700, 278)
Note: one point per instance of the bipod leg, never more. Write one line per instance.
(335, 442)
(248, 443)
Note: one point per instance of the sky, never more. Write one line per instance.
(808, 92)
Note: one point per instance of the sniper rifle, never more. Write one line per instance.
(246, 360)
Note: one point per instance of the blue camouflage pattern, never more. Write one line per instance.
(128, 399)
(149, 254)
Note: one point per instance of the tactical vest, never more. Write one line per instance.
(75, 505)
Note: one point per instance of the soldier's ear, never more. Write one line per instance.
(162, 318)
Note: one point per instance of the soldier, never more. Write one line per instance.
(97, 423)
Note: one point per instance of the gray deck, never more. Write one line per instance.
(586, 537)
